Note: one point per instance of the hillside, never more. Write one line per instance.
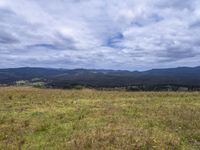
(64, 78)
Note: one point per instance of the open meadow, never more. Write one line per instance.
(32, 119)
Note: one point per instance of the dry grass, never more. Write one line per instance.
(32, 119)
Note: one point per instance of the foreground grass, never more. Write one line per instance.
(32, 119)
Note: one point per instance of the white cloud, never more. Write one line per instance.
(107, 34)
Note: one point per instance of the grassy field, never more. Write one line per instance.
(32, 119)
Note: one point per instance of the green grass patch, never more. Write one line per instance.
(88, 119)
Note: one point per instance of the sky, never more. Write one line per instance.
(100, 34)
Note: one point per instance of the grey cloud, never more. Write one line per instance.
(43, 45)
(177, 53)
(99, 34)
(60, 43)
(177, 4)
(6, 13)
(195, 24)
(152, 19)
(7, 38)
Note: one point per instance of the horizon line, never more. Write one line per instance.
(59, 68)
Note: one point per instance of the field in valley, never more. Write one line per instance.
(32, 119)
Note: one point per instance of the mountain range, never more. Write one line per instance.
(65, 78)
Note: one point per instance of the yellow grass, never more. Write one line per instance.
(32, 119)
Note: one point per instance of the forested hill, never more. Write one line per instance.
(65, 78)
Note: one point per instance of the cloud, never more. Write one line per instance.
(106, 34)
(6, 38)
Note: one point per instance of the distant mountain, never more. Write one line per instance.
(8, 76)
(64, 78)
